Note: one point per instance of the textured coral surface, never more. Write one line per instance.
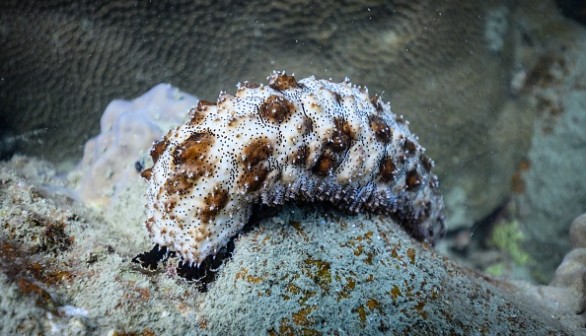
(308, 140)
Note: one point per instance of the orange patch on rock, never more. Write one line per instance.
(517, 182)
(411, 255)
(395, 292)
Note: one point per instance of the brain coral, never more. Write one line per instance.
(433, 58)
(308, 140)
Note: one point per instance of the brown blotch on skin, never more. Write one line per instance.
(196, 116)
(147, 173)
(276, 109)
(427, 163)
(282, 82)
(254, 164)
(250, 85)
(192, 158)
(169, 205)
(214, 203)
(387, 170)
(203, 104)
(413, 180)
(256, 152)
(342, 136)
(381, 130)
(180, 184)
(307, 126)
(326, 164)
(400, 159)
(251, 180)
(198, 234)
(158, 148)
(410, 147)
(300, 156)
(194, 149)
(233, 122)
(337, 98)
(377, 103)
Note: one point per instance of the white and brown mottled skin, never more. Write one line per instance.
(307, 140)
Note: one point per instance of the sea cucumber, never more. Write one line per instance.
(308, 140)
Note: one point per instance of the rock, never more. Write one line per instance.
(572, 271)
(127, 131)
(306, 270)
(578, 232)
(321, 274)
(553, 189)
(565, 296)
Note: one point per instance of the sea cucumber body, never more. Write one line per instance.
(312, 140)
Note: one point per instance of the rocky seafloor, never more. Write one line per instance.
(67, 270)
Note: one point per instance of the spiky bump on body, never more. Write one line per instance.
(307, 140)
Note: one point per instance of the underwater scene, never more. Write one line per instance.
(293, 167)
